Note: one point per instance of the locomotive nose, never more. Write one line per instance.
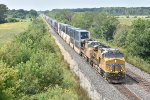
(115, 65)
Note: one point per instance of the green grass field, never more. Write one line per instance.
(128, 21)
(9, 30)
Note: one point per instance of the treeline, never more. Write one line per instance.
(7, 15)
(116, 11)
(21, 13)
(3, 10)
(32, 68)
(134, 40)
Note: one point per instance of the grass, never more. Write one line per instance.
(9, 30)
(128, 21)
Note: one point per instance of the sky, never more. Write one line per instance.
(60, 4)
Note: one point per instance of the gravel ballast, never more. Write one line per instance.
(90, 80)
(139, 72)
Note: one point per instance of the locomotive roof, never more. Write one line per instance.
(93, 43)
(107, 50)
(104, 48)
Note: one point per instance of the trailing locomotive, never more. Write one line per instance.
(109, 62)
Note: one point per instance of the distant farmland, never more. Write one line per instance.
(124, 20)
(9, 30)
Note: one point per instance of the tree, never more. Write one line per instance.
(113, 10)
(77, 20)
(62, 16)
(33, 13)
(138, 40)
(104, 26)
(120, 35)
(82, 20)
(8, 82)
(21, 13)
(3, 9)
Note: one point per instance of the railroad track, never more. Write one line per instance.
(130, 76)
(136, 79)
(139, 80)
(123, 89)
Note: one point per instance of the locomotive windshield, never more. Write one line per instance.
(84, 35)
(113, 54)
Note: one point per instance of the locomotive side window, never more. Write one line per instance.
(84, 35)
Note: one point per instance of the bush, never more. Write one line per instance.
(39, 64)
(138, 39)
(147, 17)
(43, 62)
(120, 36)
(8, 82)
(11, 20)
(56, 93)
(128, 16)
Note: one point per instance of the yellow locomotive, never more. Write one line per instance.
(109, 62)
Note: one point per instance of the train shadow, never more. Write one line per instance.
(128, 81)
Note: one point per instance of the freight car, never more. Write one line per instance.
(109, 62)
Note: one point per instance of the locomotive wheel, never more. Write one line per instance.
(81, 54)
(101, 72)
(87, 59)
(105, 76)
(91, 63)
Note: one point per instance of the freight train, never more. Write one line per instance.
(109, 62)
